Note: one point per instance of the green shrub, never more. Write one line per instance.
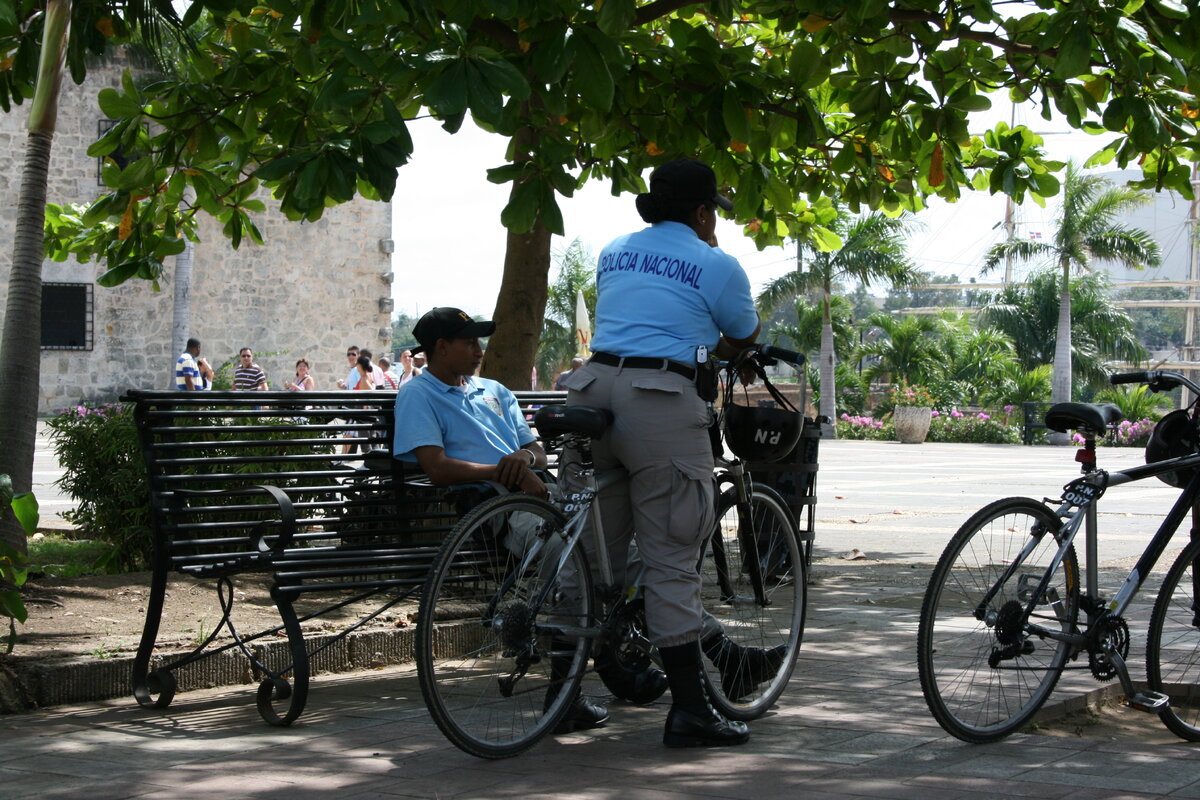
(979, 428)
(103, 471)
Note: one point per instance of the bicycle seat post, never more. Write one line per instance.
(1086, 456)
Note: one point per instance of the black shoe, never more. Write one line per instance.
(688, 728)
(581, 716)
(639, 688)
(744, 668)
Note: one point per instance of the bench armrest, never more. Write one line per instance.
(258, 534)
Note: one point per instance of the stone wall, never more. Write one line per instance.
(312, 289)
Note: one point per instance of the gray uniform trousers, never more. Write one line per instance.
(660, 436)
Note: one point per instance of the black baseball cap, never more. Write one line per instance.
(448, 323)
(688, 180)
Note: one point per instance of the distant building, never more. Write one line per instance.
(310, 291)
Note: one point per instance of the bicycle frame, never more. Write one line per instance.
(1078, 509)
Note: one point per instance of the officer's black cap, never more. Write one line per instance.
(688, 180)
(448, 323)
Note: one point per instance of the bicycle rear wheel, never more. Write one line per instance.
(496, 667)
(1173, 647)
(765, 625)
(984, 669)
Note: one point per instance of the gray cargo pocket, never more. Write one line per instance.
(667, 382)
(692, 499)
(579, 381)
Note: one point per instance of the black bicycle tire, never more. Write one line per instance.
(1163, 604)
(760, 702)
(430, 676)
(982, 644)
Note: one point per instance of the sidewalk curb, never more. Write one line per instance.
(28, 684)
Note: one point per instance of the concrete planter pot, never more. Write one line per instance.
(912, 423)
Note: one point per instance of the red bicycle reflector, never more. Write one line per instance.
(1084, 456)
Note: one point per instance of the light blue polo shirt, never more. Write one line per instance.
(662, 292)
(481, 424)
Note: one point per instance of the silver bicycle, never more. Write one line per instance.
(1004, 614)
(509, 616)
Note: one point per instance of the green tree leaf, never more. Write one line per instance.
(25, 507)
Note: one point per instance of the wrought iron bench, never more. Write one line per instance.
(244, 484)
(1034, 414)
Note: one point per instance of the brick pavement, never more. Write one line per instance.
(853, 724)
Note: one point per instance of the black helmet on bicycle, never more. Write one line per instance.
(1174, 436)
(761, 434)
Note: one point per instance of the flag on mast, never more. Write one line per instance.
(583, 325)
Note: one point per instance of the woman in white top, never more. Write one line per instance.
(304, 381)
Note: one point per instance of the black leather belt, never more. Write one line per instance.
(641, 362)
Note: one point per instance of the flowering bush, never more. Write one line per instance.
(853, 427)
(906, 394)
(980, 428)
(1129, 433)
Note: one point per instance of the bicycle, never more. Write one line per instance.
(509, 615)
(1000, 620)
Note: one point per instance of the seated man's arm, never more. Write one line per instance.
(514, 470)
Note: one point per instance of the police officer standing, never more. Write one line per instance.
(666, 296)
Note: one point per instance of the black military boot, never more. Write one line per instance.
(583, 713)
(741, 668)
(692, 722)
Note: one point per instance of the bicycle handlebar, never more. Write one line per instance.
(790, 356)
(1158, 380)
(1118, 378)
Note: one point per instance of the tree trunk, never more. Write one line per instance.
(1060, 387)
(21, 347)
(828, 382)
(520, 306)
(521, 303)
(20, 351)
(181, 317)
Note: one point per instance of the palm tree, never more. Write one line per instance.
(558, 345)
(1086, 229)
(909, 349)
(19, 373)
(1100, 330)
(804, 336)
(873, 249)
(975, 357)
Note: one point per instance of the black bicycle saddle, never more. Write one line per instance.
(558, 420)
(1095, 417)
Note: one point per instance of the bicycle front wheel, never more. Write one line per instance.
(985, 667)
(1173, 647)
(500, 651)
(754, 587)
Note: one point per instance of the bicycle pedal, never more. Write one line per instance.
(1151, 702)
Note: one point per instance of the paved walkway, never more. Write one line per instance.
(853, 723)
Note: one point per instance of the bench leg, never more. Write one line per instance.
(275, 687)
(152, 689)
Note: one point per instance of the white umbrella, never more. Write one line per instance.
(583, 325)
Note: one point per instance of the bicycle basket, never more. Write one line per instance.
(1173, 436)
